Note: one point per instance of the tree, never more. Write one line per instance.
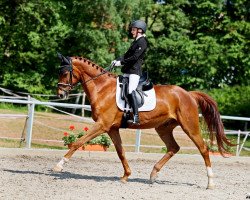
(31, 34)
(198, 44)
(195, 44)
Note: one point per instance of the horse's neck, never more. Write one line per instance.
(93, 83)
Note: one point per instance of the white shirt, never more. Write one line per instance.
(139, 36)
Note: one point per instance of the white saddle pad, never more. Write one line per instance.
(149, 100)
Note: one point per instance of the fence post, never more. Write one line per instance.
(76, 102)
(83, 103)
(243, 142)
(238, 144)
(31, 110)
(138, 140)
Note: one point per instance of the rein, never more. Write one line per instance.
(69, 68)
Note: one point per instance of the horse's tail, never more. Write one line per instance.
(211, 115)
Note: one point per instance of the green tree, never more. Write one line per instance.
(195, 44)
(31, 33)
(199, 44)
(233, 101)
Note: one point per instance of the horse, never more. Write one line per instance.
(174, 106)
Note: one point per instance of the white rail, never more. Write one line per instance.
(66, 105)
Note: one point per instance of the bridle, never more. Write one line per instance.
(62, 70)
(69, 68)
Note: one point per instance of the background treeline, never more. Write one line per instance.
(196, 44)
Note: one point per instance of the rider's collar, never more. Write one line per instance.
(142, 35)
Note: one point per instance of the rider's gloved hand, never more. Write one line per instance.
(116, 63)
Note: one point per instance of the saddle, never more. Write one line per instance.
(144, 85)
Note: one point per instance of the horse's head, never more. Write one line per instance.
(67, 78)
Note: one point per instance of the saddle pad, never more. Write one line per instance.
(149, 100)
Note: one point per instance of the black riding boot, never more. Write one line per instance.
(134, 105)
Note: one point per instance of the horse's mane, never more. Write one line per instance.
(94, 65)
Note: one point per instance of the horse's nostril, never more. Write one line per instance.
(60, 96)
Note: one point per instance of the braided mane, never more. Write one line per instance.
(94, 65)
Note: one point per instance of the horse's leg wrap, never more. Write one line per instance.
(210, 176)
(59, 166)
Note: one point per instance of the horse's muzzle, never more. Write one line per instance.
(62, 94)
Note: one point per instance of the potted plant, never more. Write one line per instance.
(100, 143)
(70, 137)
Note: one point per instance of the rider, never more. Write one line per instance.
(132, 62)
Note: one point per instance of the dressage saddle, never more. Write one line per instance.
(144, 85)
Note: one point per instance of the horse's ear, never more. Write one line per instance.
(69, 59)
(64, 60)
(59, 55)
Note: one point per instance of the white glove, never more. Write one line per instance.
(116, 63)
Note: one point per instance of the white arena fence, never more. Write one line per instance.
(31, 102)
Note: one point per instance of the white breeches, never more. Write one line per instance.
(133, 81)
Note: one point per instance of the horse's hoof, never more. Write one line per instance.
(123, 180)
(153, 178)
(57, 168)
(210, 187)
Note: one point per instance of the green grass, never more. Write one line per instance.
(13, 107)
(246, 144)
(42, 146)
(10, 143)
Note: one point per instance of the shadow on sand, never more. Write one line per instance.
(69, 175)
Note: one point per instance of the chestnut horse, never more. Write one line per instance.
(174, 106)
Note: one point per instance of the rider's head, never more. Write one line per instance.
(137, 27)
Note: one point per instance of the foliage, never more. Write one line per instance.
(233, 101)
(71, 137)
(200, 45)
(31, 33)
(194, 44)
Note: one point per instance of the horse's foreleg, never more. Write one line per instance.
(92, 133)
(116, 138)
(166, 134)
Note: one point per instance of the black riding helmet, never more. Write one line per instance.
(137, 24)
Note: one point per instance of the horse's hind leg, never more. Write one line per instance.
(116, 138)
(166, 134)
(191, 128)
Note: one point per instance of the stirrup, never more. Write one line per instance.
(135, 120)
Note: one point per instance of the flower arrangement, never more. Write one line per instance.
(70, 137)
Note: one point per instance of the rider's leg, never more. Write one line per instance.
(134, 105)
(133, 83)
